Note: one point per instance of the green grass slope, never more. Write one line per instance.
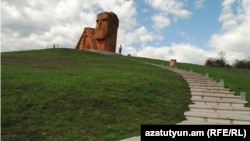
(67, 94)
(237, 80)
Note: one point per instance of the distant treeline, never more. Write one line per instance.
(220, 61)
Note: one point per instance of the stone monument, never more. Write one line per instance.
(103, 37)
(87, 40)
(106, 31)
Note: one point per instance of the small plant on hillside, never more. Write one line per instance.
(245, 63)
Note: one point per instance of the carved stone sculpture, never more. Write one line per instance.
(87, 40)
(103, 36)
(106, 31)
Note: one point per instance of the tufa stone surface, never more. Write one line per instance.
(103, 37)
(87, 40)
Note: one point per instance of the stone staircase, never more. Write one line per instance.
(212, 103)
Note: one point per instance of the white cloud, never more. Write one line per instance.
(154, 52)
(182, 52)
(128, 50)
(167, 8)
(37, 24)
(234, 36)
(124, 9)
(199, 4)
(137, 35)
(185, 35)
(174, 7)
(227, 17)
(143, 34)
(188, 53)
(30, 24)
(160, 21)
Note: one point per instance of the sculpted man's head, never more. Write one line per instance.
(106, 31)
(106, 24)
(103, 36)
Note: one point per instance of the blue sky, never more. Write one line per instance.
(187, 30)
(195, 29)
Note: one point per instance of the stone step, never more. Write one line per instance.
(178, 70)
(217, 118)
(209, 90)
(228, 93)
(221, 100)
(199, 79)
(193, 122)
(219, 109)
(203, 106)
(219, 104)
(187, 73)
(195, 77)
(235, 103)
(214, 94)
(212, 82)
(197, 84)
(136, 138)
(216, 97)
(201, 82)
(205, 85)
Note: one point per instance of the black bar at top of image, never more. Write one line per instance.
(201, 132)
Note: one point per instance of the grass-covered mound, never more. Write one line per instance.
(67, 94)
(238, 80)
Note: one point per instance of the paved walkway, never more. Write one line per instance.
(212, 103)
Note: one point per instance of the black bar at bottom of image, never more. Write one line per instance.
(204, 132)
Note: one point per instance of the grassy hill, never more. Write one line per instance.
(237, 80)
(67, 94)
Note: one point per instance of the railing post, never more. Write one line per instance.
(222, 82)
(243, 95)
(207, 75)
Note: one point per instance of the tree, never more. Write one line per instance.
(245, 63)
(219, 61)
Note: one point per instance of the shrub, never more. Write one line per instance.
(209, 62)
(242, 64)
(219, 61)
